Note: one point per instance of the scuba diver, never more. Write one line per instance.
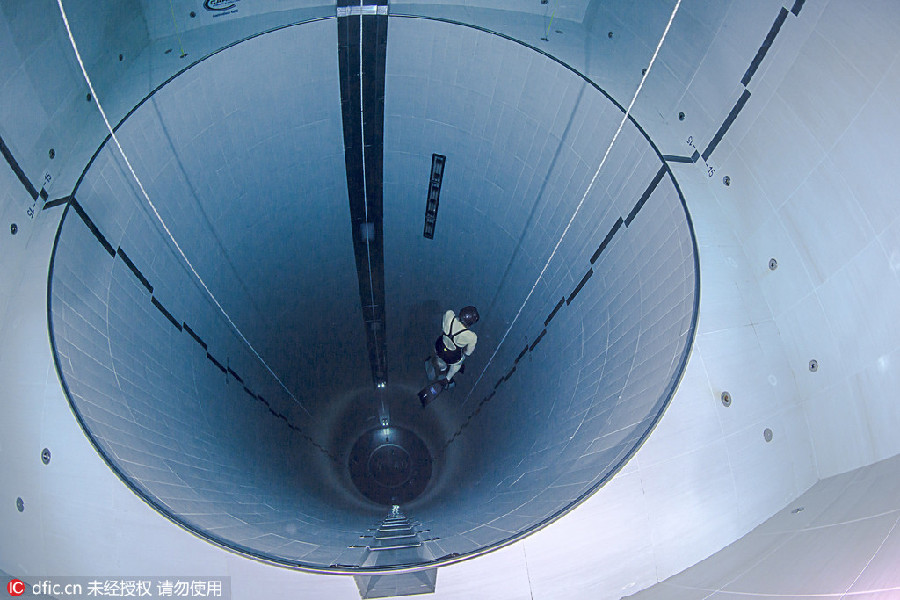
(456, 342)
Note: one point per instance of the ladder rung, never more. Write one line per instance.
(398, 547)
(395, 537)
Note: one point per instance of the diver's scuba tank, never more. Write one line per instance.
(431, 391)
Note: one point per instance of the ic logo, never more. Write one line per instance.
(217, 5)
(15, 587)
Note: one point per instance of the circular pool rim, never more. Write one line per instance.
(445, 560)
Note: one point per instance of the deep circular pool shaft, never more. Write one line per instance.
(293, 469)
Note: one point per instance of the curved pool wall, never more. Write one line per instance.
(242, 155)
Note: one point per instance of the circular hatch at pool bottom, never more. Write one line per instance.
(390, 465)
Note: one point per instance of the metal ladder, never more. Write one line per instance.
(396, 542)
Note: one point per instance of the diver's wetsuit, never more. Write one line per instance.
(455, 343)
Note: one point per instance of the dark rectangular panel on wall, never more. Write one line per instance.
(362, 50)
(79, 210)
(434, 193)
(137, 272)
(555, 310)
(606, 240)
(580, 285)
(196, 337)
(645, 196)
(764, 48)
(175, 322)
(14, 165)
(726, 124)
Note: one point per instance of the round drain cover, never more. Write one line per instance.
(390, 465)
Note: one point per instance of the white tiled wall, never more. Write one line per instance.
(533, 179)
(840, 537)
(813, 185)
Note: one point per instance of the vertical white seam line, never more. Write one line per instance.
(144, 193)
(583, 197)
(362, 136)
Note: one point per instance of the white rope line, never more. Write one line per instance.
(156, 212)
(781, 595)
(874, 555)
(362, 139)
(583, 197)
